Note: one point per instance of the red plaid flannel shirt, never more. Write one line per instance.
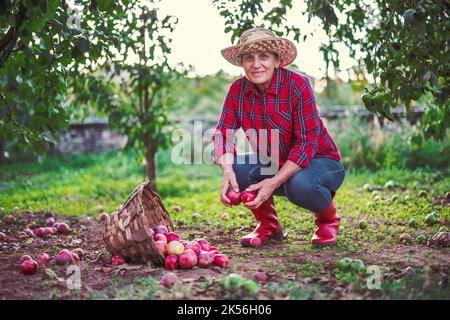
(289, 106)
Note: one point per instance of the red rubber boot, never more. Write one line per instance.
(269, 227)
(327, 222)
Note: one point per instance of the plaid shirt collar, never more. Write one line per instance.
(274, 86)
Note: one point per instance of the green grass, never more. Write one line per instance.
(79, 184)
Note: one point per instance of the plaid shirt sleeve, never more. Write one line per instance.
(306, 125)
(227, 126)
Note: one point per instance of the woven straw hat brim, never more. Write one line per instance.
(285, 49)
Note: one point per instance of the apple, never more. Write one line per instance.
(235, 198)
(188, 259)
(160, 237)
(363, 224)
(194, 246)
(261, 276)
(47, 231)
(2, 236)
(29, 232)
(22, 235)
(204, 245)
(56, 225)
(29, 267)
(9, 219)
(75, 257)
(248, 196)
(183, 242)
(64, 257)
(31, 224)
(344, 264)
(214, 252)
(205, 259)
(103, 216)
(177, 209)
(421, 238)
(405, 238)
(24, 258)
(224, 216)
(50, 222)
(175, 247)
(161, 246)
(172, 236)
(117, 260)
(221, 260)
(79, 252)
(63, 228)
(431, 218)
(161, 229)
(43, 258)
(169, 279)
(171, 262)
(255, 242)
(39, 232)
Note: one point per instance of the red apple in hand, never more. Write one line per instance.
(205, 259)
(171, 262)
(248, 196)
(188, 259)
(29, 267)
(221, 260)
(235, 198)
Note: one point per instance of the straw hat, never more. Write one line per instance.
(260, 39)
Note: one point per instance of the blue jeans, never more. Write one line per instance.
(310, 188)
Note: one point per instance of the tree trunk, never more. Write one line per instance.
(150, 157)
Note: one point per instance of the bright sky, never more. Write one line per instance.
(199, 36)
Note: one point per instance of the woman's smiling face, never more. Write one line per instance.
(259, 68)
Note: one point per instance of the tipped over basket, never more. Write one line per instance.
(127, 232)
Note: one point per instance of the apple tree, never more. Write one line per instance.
(403, 44)
(43, 45)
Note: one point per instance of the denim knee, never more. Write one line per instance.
(306, 194)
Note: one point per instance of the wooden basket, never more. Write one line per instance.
(126, 232)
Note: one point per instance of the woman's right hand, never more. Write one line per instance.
(229, 183)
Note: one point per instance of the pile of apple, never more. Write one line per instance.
(184, 254)
(51, 227)
(28, 265)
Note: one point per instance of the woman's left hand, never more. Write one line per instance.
(265, 190)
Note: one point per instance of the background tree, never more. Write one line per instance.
(137, 89)
(404, 46)
(43, 44)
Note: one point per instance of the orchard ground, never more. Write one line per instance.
(75, 189)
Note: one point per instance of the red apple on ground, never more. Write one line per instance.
(56, 225)
(29, 267)
(24, 258)
(103, 216)
(171, 262)
(50, 222)
(39, 232)
(255, 242)
(194, 246)
(248, 196)
(161, 229)
(235, 198)
(161, 246)
(169, 279)
(214, 252)
(47, 231)
(183, 242)
(188, 259)
(117, 260)
(22, 235)
(261, 276)
(175, 247)
(63, 228)
(2, 236)
(224, 216)
(221, 260)
(31, 225)
(204, 244)
(172, 236)
(43, 258)
(64, 257)
(196, 215)
(205, 259)
(177, 209)
(213, 248)
(160, 237)
(9, 219)
(29, 232)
